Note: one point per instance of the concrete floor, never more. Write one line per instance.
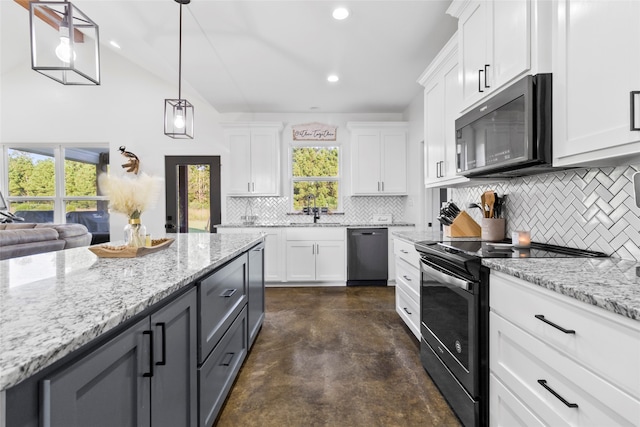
(338, 356)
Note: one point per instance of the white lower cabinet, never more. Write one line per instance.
(407, 275)
(315, 254)
(557, 361)
(273, 252)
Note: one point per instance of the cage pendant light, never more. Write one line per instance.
(65, 43)
(178, 113)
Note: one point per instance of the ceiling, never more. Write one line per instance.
(275, 56)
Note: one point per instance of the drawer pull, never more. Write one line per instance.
(408, 312)
(543, 383)
(164, 344)
(229, 357)
(406, 278)
(228, 293)
(403, 251)
(150, 373)
(566, 331)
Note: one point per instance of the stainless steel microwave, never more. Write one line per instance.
(509, 134)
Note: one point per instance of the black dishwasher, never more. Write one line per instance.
(367, 257)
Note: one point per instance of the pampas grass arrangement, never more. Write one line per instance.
(131, 196)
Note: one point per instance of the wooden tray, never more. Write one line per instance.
(109, 251)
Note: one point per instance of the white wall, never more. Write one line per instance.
(126, 109)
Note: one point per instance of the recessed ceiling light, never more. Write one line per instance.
(114, 44)
(340, 13)
(333, 78)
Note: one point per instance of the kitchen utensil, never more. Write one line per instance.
(483, 204)
(490, 199)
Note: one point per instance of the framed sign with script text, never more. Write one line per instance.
(314, 132)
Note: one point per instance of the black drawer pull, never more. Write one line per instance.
(403, 251)
(406, 278)
(228, 356)
(633, 109)
(485, 75)
(543, 383)
(228, 293)
(408, 312)
(164, 344)
(566, 331)
(150, 373)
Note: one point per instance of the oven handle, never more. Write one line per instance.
(445, 278)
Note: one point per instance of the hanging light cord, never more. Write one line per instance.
(180, 60)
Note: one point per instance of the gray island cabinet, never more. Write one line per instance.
(171, 364)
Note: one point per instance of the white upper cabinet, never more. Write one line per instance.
(596, 72)
(442, 100)
(378, 158)
(499, 41)
(254, 158)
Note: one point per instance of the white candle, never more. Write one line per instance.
(521, 239)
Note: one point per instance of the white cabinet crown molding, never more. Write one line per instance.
(377, 125)
(457, 7)
(252, 125)
(448, 52)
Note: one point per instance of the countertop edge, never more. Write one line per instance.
(316, 225)
(14, 375)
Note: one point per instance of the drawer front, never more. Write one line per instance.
(216, 376)
(316, 233)
(409, 310)
(506, 409)
(521, 362)
(221, 297)
(604, 342)
(406, 251)
(409, 276)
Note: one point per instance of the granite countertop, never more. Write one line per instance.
(608, 283)
(310, 223)
(51, 304)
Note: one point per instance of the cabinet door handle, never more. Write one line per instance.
(543, 383)
(378, 185)
(253, 187)
(248, 187)
(317, 248)
(229, 357)
(406, 278)
(164, 344)
(150, 373)
(634, 94)
(383, 186)
(480, 81)
(408, 312)
(485, 75)
(228, 293)
(548, 322)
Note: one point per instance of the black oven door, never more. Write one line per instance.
(449, 321)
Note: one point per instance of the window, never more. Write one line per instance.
(57, 184)
(315, 171)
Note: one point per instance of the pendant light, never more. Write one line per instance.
(65, 44)
(178, 113)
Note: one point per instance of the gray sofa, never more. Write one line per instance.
(20, 239)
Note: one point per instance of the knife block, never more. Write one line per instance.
(463, 226)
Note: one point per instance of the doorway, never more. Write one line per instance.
(192, 193)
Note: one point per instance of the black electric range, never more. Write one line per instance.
(454, 316)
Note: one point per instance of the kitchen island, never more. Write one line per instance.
(54, 306)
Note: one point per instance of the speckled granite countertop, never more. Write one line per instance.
(322, 223)
(608, 283)
(53, 303)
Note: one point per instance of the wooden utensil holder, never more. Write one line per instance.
(463, 226)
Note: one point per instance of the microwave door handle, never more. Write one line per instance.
(445, 278)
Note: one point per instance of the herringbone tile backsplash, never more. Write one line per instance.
(582, 208)
(275, 209)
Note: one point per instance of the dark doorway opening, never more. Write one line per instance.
(192, 193)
